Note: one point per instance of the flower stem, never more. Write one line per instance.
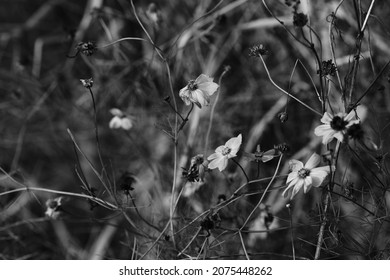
(96, 129)
(327, 202)
(243, 171)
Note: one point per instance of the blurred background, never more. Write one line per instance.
(41, 97)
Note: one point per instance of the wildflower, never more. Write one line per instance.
(120, 120)
(223, 153)
(197, 169)
(199, 91)
(306, 176)
(334, 126)
(300, 19)
(262, 156)
(53, 207)
(258, 50)
(87, 83)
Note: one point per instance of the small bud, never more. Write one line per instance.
(283, 117)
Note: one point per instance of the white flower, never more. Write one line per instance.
(306, 176)
(334, 126)
(53, 207)
(199, 91)
(120, 120)
(223, 153)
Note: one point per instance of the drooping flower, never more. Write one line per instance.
(334, 126)
(306, 176)
(220, 158)
(120, 120)
(53, 209)
(199, 91)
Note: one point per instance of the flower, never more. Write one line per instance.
(120, 120)
(260, 155)
(334, 126)
(53, 207)
(199, 91)
(258, 50)
(87, 83)
(197, 169)
(306, 176)
(223, 153)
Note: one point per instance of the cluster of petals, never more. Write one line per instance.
(120, 120)
(335, 126)
(199, 91)
(223, 153)
(306, 175)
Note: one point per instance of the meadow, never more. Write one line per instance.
(231, 129)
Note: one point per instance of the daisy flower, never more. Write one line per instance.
(120, 120)
(199, 91)
(220, 158)
(334, 126)
(306, 176)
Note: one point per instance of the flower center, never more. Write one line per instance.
(303, 173)
(226, 151)
(338, 123)
(192, 85)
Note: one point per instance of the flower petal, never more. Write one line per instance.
(219, 162)
(322, 129)
(208, 88)
(318, 175)
(199, 98)
(115, 123)
(126, 123)
(234, 144)
(292, 176)
(184, 94)
(313, 161)
(307, 184)
(295, 165)
(116, 112)
(326, 118)
(297, 187)
(213, 156)
(339, 136)
(350, 116)
(203, 79)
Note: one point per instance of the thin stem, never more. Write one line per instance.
(292, 230)
(93, 198)
(242, 169)
(265, 192)
(96, 129)
(327, 202)
(285, 92)
(213, 108)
